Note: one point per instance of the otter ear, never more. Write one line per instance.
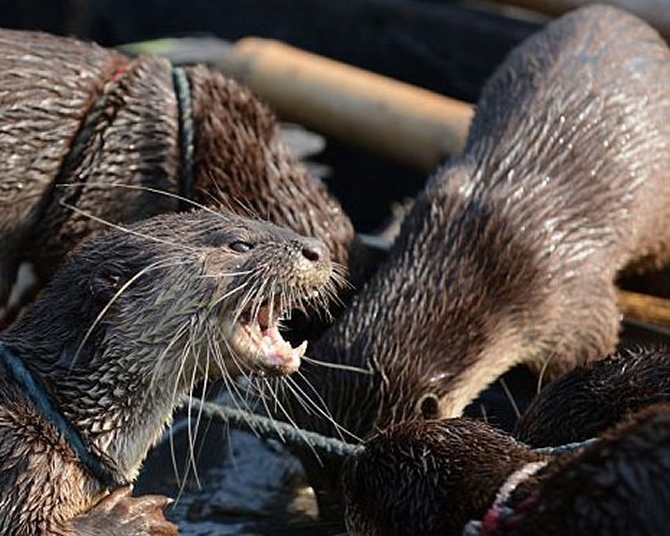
(105, 282)
(428, 406)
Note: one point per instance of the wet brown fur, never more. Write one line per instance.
(428, 478)
(584, 402)
(50, 86)
(618, 487)
(509, 255)
(127, 328)
(431, 477)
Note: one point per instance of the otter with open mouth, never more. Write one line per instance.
(129, 325)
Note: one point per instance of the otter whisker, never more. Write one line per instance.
(299, 398)
(220, 200)
(282, 410)
(192, 431)
(225, 201)
(163, 355)
(256, 389)
(219, 360)
(223, 274)
(264, 402)
(258, 300)
(543, 372)
(274, 385)
(270, 390)
(323, 410)
(228, 294)
(248, 210)
(236, 361)
(245, 300)
(509, 396)
(338, 366)
(123, 228)
(180, 371)
(143, 188)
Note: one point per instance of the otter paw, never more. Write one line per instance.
(121, 514)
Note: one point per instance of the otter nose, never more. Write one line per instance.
(314, 250)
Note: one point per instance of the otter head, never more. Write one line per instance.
(213, 286)
(242, 163)
(428, 477)
(137, 317)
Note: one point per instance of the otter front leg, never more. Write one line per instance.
(119, 514)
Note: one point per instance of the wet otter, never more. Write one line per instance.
(510, 252)
(433, 477)
(584, 402)
(89, 127)
(126, 328)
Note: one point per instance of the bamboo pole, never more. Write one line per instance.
(644, 308)
(409, 124)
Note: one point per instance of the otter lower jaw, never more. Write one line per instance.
(257, 335)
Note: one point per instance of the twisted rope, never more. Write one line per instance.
(291, 435)
(500, 512)
(281, 431)
(182, 89)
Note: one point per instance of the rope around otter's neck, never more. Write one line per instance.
(68, 184)
(272, 429)
(91, 461)
(182, 90)
(501, 513)
(289, 434)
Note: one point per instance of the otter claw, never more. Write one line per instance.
(121, 514)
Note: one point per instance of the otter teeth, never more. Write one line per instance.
(276, 352)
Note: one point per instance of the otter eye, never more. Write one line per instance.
(428, 406)
(105, 283)
(241, 246)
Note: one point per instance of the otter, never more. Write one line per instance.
(125, 330)
(510, 252)
(458, 477)
(124, 139)
(586, 401)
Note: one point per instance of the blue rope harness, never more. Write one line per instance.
(182, 91)
(35, 393)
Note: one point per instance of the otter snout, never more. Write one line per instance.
(312, 265)
(314, 250)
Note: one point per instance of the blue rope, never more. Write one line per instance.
(91, 462)
(291, 435)
(186, 134)
(281, 431)
(568, 447)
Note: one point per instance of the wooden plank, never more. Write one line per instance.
(655, 12)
